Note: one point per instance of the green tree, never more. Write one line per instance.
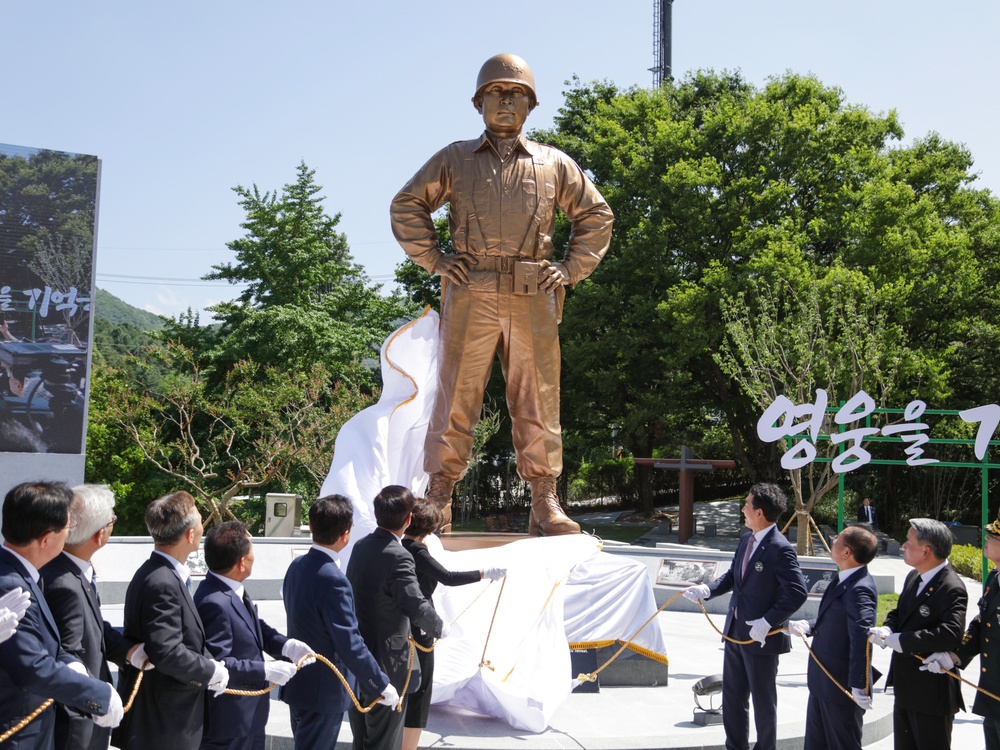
(717, 184)
(833, 337)
(305, 300)
(256, 432)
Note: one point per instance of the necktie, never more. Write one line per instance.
(251, 609)
(93, 585)
(189, 584)
(749, 553)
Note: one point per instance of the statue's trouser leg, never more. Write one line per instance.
(475, 325)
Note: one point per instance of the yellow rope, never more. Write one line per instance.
(34, 714)
(592, 677)
(25, 721)
(482, 661)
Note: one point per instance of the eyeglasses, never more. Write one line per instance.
(112, 521)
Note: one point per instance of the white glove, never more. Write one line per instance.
(220, 680)
(494, 574)
(77, 666)
(938, 662)
(697, 592)
(16, 600)
(279, 672)
(859, 697)
(138, 658)
(892, 641)
(8, 624)
(295, 649)
(445, 630)
(389, 697)
(759, 630)
(115, 712)
(877, 636)
(798, 627)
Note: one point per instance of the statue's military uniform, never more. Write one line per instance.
(503, 194)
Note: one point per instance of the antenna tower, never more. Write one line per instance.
(661, 70)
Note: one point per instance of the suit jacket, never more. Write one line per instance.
(840, 639)
(773, 588)
(863, 518)
(976, 641)
(319, 605)
(84, 634)
(238, 638)
(169, 709)
(932, 621)
(33, 668)
(384, 579)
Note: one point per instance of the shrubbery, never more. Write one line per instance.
(967, 561)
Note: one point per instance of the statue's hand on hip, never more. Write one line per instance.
(455, 267)
(552, 276)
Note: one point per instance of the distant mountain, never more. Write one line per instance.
(116, 311)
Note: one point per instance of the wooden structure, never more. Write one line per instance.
(686, 464)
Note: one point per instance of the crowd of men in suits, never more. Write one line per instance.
(189, 648)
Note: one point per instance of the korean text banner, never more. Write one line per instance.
(48, 209)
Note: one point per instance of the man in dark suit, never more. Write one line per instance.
(34, 666)
(384, 579)
(767, 588)
(867, 514)
(237, 636)
(929, 617)
(169, 709)
(840, 643)
(71, 593)
(319, 604)
(976, 641)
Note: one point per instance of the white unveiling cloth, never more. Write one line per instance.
(508, 654)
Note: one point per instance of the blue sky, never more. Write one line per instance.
(184, 100)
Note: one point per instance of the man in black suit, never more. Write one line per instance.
(169, 709)
(238, 637)
(71, 593)
(767, 588)
(867, 514)
(319, 603)
(929, 617)
(840, 643)
(33, 665)
(384, 579)
(977, 642)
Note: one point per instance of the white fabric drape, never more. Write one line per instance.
(559, 590)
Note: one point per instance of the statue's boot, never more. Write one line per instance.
(439, 492)
(547, 517)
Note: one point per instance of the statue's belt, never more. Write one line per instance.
(523, 270)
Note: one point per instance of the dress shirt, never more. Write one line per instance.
(845, 574)
(85, 566)
(926, 577)
(180, 568)
(32, 570)
(333, 555)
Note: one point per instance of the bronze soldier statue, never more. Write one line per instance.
(500, 292)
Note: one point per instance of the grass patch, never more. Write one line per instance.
(886, 603)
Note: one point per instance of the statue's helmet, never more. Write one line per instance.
(506, 68)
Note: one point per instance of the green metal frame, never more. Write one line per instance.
(984, 466)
